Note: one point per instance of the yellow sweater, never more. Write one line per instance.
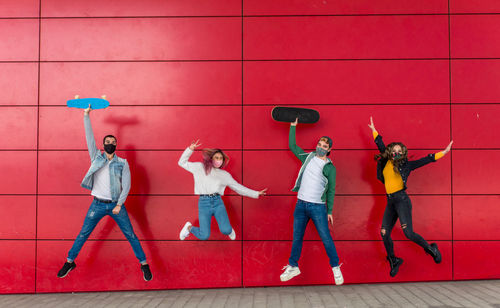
(393, 180)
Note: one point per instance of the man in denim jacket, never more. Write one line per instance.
(109, 180)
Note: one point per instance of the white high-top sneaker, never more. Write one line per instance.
(290, 272)
(185, 231)
(337, 275)
(232, 235)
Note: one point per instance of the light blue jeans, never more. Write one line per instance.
(96, 212)
(209, 206)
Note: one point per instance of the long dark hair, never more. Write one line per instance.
(207, 159)
(388, 155)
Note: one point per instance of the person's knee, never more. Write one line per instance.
(408, 232)
(203, 236)
(383, 233)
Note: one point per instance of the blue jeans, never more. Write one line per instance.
(209, 206)
(96, 212)
(317, 212)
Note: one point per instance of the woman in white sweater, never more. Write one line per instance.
(210, 181)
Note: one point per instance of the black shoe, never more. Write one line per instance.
(394, 262)
(434, 252)
(146, 272)
(67, 267)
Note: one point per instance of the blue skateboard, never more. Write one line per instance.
(83, 103)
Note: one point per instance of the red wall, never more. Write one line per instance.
(183, 69)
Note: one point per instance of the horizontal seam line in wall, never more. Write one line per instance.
(268, 105)
(235, 195)
(248, 60)
(244, 150)
(229, 241)
(249, 16)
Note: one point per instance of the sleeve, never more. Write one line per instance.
(296, 150)
(240, 189)
(184, 160)
(379, 142)
(330, 195)
(414, 164)
(438, 155)
(125, 184)
(89, 135)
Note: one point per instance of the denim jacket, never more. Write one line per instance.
(119, 172)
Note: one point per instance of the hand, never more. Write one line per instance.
(117, 209)
(371, 125)
(87, 111)
(330, 219)
(448, 148)
(194, 145)
(295, 123)
(263, 192)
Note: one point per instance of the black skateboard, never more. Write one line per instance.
(289, 114)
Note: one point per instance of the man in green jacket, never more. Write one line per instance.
(315, 186)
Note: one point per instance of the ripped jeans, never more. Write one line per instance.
(95, 213)
(399, 205)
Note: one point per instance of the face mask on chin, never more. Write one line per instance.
(109, 148)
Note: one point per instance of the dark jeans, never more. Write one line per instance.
(317, 212)
(399, 205)
(96, 212)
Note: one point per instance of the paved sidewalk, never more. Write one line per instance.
(481, 293)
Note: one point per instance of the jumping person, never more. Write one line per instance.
(393, 169)
(109, 180)
(210, 181)
(315, 185)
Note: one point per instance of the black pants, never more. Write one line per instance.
(399, 205)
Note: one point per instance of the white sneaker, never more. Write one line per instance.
(185, 231)
(232, 235)
(337, 275)
(290, 272)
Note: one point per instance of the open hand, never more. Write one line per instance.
(263, 192)
(330, 219)
(448, 148)
(371, 125)
(194, 145)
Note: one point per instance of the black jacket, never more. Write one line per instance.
(406, 165)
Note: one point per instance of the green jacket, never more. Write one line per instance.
(329, 171)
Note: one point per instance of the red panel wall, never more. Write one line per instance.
(179, 70)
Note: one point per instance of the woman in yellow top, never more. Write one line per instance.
(393, 169)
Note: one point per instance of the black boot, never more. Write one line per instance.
(434, 252)
(395, 262)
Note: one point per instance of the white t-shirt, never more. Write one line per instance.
(313, 181)
(102, 183)
(214, 182)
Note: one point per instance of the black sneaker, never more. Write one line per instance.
(146, 272)
(67, 267)
(434, 252)
(394, 262)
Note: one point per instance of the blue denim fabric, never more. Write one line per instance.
(96, 212)
(317, 212)
(209, 206)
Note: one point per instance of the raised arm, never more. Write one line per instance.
(89, 135)
(184, 159)
(292, 144)
(376, 137)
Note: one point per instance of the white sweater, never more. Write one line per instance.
(215, 182)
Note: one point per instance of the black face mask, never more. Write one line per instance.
(109, 148)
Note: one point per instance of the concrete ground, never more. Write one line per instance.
(479, 293)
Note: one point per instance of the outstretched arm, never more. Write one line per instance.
(378, 139)
(242, 190)
(292, 144)
(89, 135)
(429, 158)
(184, 159)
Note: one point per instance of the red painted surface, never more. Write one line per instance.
(173, 73)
